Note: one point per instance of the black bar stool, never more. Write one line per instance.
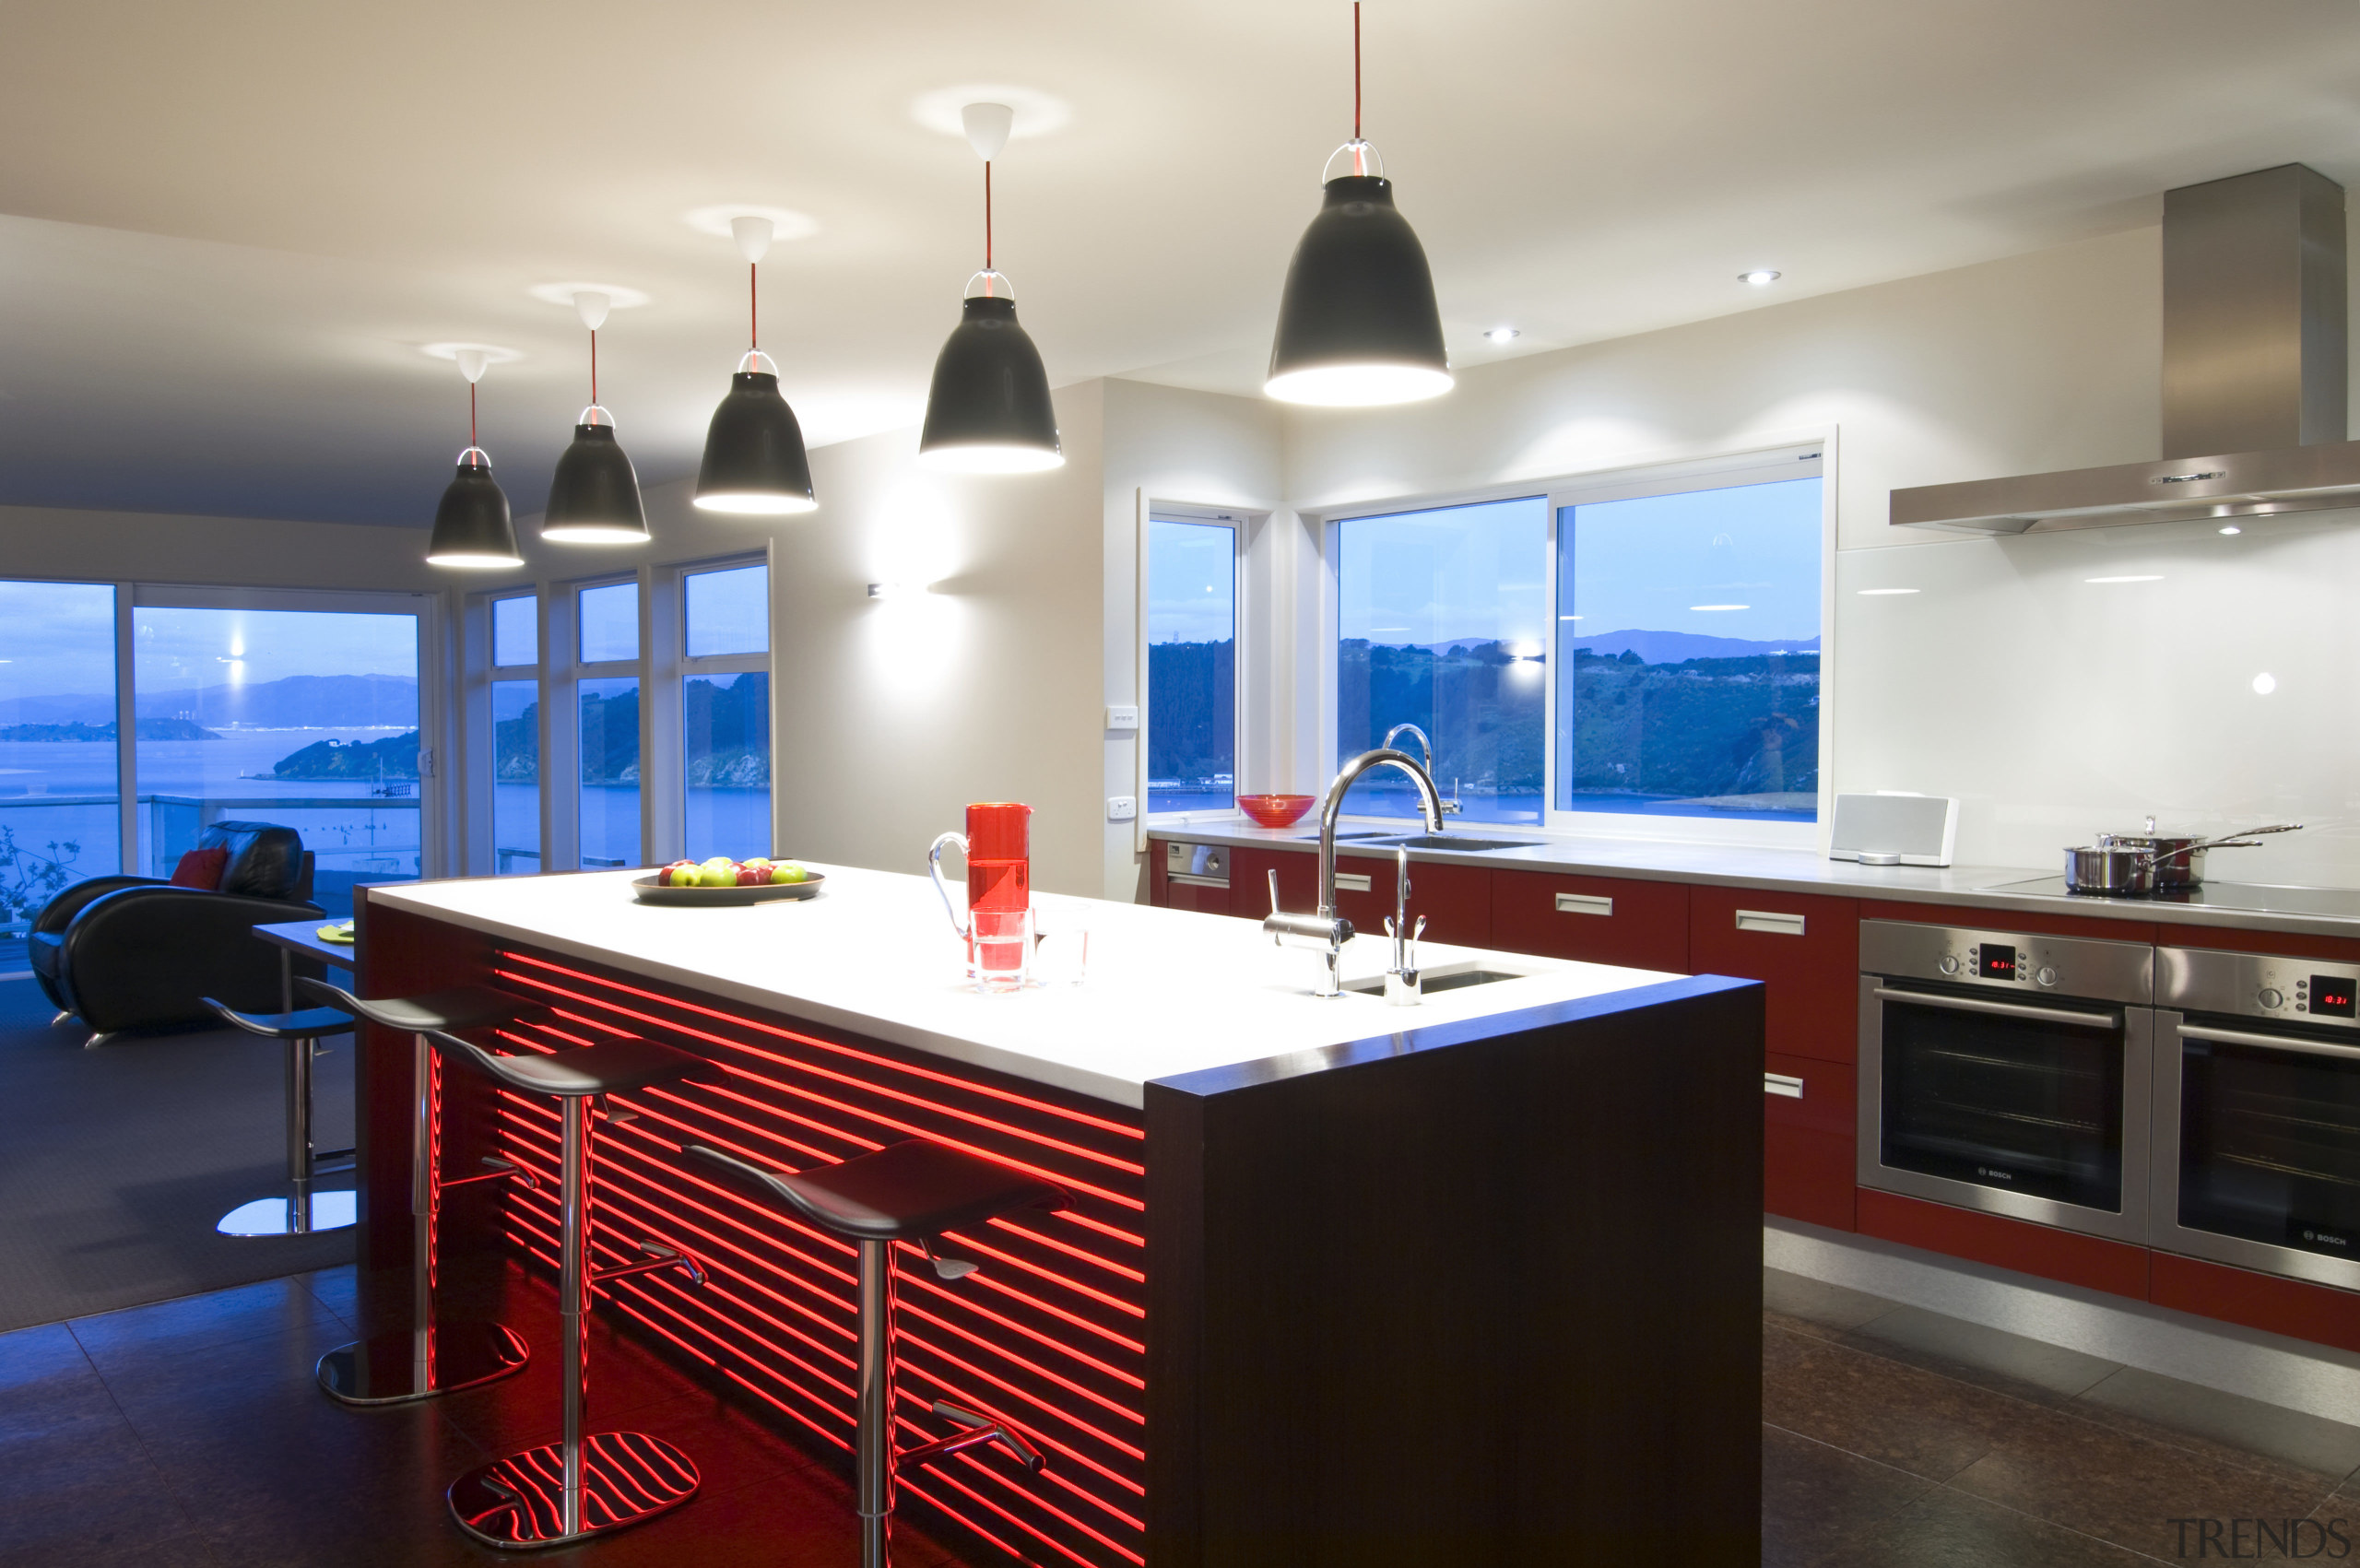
(582, 1484)
(912, 1191)
(431, 1357)
(302, 1212)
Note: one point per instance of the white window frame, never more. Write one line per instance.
(667, 743)
(1667, 474)
(479, 651)
(562, 741)
(1243, 526)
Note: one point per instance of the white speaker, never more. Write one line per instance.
(1893, 828)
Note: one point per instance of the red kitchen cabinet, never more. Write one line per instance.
(1804, 949)
(1808, 1136)
(2116, 1268)
(1595, 919)
(1456, 899)
(1204, 900)
(1249, 881)
(2297, 1308)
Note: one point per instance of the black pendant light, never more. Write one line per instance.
(472, 529)
(754, 462)
(1357, 324)
(988, 410)
(594, 499)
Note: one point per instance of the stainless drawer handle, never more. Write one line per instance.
(1782, 1084)
(1770, 920)
(1584, 903)
(1190, 879)
(1350, 882)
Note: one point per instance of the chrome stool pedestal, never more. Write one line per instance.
(303, 1208)
(432, 1357)
(586, 1483)
(910, 1191)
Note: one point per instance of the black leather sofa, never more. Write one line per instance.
(134, 952)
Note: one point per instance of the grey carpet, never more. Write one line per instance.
(115, 1163)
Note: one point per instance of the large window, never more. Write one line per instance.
(606, 703)
(725, 712)
(1442, 622)
(515, 735)
(60, 793)
(1640, 643)
(1191, 664)
(1687, 654)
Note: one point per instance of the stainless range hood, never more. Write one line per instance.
(2254, 377)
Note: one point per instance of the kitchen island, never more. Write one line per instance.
(1472, 1282)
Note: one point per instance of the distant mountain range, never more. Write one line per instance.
(1654, 647)
(147, 729)
(296, 701)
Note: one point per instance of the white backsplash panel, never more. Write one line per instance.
(2064, 683)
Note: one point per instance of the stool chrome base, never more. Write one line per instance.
(295, 1216)
(387, 1370)
(517, 1504)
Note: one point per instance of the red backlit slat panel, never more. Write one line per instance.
(1048, 1331)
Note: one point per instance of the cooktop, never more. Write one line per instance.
(2252, 897)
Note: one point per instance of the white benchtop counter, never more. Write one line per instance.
(1166, 992)
(1992, 888)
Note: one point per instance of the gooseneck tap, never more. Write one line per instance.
(1326, 931)
(1426, 751)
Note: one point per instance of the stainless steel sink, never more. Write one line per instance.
(1466, 843)
(1459, 981)
(1371, 833)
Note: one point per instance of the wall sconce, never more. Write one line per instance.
(888, 590)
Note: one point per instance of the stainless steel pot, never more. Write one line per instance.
(2180, 857)
(2102, 868)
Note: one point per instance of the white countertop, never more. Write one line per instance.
(1167, 991)
(1743, 866)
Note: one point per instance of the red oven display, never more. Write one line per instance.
(1995, 960)
(2332, 995)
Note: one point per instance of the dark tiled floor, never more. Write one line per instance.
(1895, 1436)
(188, 1435)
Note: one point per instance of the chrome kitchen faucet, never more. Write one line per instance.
(1326, 932)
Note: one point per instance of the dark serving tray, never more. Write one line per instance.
(646, 890)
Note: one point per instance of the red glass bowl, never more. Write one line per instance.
(1275, 810)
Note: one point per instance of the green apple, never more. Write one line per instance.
(789, 871)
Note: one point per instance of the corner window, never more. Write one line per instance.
(1191, 664)
(1689, 653)
(725, 712)
(1442, 624)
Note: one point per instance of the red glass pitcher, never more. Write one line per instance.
(997, 925)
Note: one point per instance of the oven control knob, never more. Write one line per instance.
(2271, 998)
(2047, 977)
(1949, 964)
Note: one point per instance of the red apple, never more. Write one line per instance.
(746, 875)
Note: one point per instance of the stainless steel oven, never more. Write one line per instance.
(2258, 1113)
(2008, 1072)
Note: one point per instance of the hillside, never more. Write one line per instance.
(298, 701)
(395, 757)
(147, 729)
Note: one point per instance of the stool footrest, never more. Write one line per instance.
(502, 1171)
(979, 1428)
(656, 1254)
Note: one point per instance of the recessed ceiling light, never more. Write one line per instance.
(2149, 577)
(617, 296)
(1502, 334)
(1761, 277)
(2264, 684)
(1872, 593)
(1719, 606)
(2233, 529)
(1037, 113)
(785, 222)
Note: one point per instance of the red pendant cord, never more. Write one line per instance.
(1356, 70)
(472, 442)
(753, 311)
(593, 366)
(988, 218)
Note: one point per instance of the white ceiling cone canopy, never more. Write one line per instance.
(591, 305)
(987, 125)
(472, 363)
(752, 233)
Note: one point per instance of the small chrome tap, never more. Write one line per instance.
(1402, 988)
(1326, 931)
(1425, 751)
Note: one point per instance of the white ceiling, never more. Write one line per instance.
(228, 228)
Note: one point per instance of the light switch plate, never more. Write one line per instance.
(1122, 807)
(1126, 717)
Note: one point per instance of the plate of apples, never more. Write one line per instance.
(721, 880)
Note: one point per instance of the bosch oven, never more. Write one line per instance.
(2008, 1072)
(2258, 1113)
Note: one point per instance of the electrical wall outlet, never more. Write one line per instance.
(1125, 717)
(1122, 807)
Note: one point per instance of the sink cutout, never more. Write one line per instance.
(1464, 843)
(1456, 982)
